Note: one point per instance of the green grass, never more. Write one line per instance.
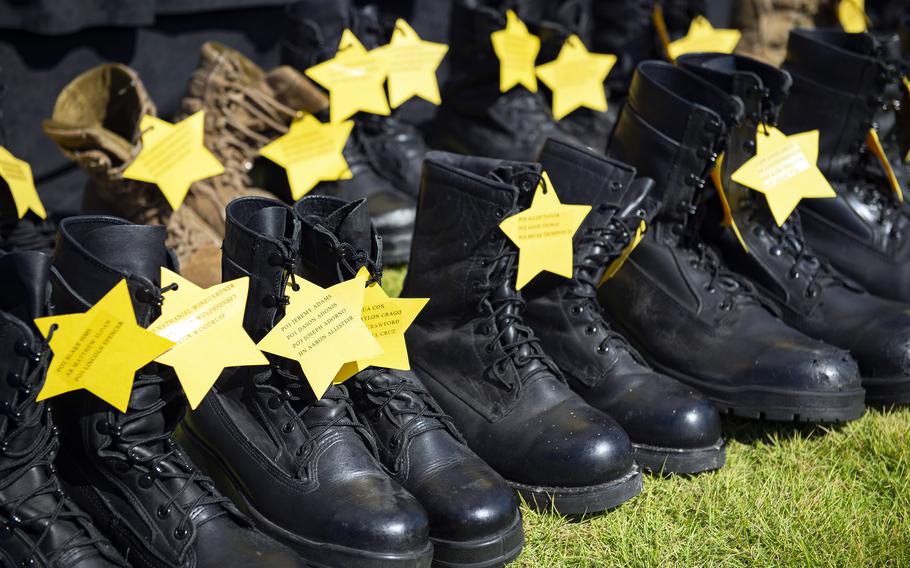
(788, 496)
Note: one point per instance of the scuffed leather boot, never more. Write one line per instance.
(812, 296)
(305, 470)
(474, 517)
(691, 317)
(474, 117)
(766, 24)
(865, 231)
(125, 469)
(384, 153)
(41, 527)
(481, 362)
(672, 428)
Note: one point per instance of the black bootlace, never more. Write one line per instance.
(27, 414)
(350, 259)
(27, 234)
(161, 448)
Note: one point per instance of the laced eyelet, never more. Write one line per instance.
(775, 251)
(163, 512)
(793, 275)
(710, 289)
(811, 293)
(180, 533)
(146, 481)
(274, 402)
(591, 329)
(500, 213)
(577, 309)
(21, 349)
(30, 561)
(725, 306)
(602, 350)
(288, 427)
(615, 186)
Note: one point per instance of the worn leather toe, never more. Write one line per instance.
(222, 542)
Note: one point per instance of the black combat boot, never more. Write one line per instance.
(125, 469)
(474, 117)
(677, 301)
(483, 364)
(672, 428)
(305, 470)
(41, 526)
(384, 153)
(474, 516)
(812, 296)
(864, 231)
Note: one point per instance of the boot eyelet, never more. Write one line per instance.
(288, 427)
(500, 213)
(615, 186)
(274, 402)
(101, 426)
(602, 350)
(180, 533)
(146, 481)
(591, 329)
(21, 348)
(710, 289)
(30, 561)
(775, 251)
(577, 309)
(725, 306)
(793, 275)
(163, 512)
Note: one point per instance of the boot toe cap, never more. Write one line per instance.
(817, 368)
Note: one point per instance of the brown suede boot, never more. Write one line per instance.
(766, 25)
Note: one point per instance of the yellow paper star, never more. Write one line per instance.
(785, 169)
(354, 79)
(207, 326)
(517, 51)
(311, 152)
(576, 78)
(388, 319)
(322, 330)
(543, 234)
(852, 15)
(173, 156)
(412, 64)
(626, 252)
(18, 176)
(99, 350)
(702, 36)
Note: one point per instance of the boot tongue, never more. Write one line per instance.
(107, 243)
(269, 221)
(351, 224)
(23, 288)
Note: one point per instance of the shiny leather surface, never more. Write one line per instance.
(481, 363)
(125, 469)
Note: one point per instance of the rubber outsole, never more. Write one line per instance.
(581, 500)
(890, 391)
(491, 552)
(683, 461)
(316, 554)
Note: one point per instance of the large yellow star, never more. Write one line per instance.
(517, 51)
(322, 329)
(785, 169)
(543, 234)
(207, 326)
(99, 350)
(576, 77)
(18, 176)
(311, 152)
(412, 64)
(173, 156)
(702, 36)
(388, 319)
(354, 79)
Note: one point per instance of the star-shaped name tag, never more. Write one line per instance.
(354, 79)
(322, 329)
(99, 350)
(412, 63)
(702, 36)
(310, 152)
(207, 326)
(173, 156)
(576, 77)
(517, 51)
(388, 319)
(543, 234)
(785, 169)
(18, 176)
(852, 15)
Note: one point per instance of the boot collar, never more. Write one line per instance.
(857, 68)
(24, 290)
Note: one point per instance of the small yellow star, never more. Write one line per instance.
(785, 169)
(543, 234)
(517, 51)
(99, 350)
(702, 36)
(173, 156)
(354, 79)
(388, 319)
(322, 330)
(207, 326)
(18, 176)
(852, 15)
(412, 64)
(576, 78)
(311, 152)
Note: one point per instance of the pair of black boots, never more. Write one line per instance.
(757, 321)
(90, 487)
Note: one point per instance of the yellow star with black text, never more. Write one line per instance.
(517, 51)
(99, 350)
(412, 63)
(576, 77)
(173, 156)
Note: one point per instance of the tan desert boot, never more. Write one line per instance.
(766, 25)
